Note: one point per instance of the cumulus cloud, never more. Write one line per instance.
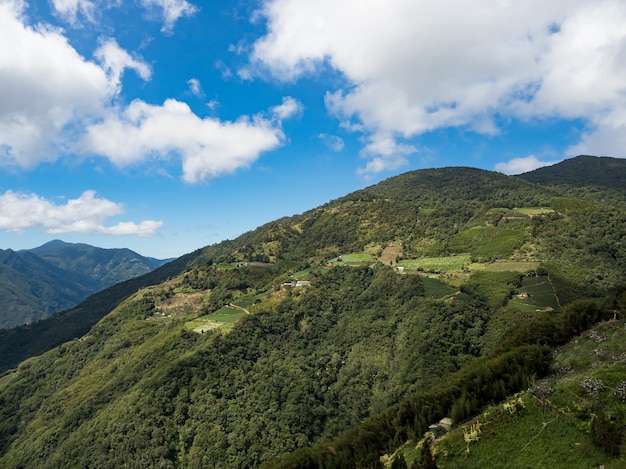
(56, 102)
(50, 90)
(172, 11)
(413, 67)
(522, 165)
(86, 214)
(45, 85)
(207, 147)
(288, 108)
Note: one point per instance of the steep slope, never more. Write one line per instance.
(39, 282)
(426, 293)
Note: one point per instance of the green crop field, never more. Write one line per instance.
(513, 266)
(248, 300)
(437, 264)
(541, 294)
(531, 211)
(355, 258)
(435, 288)
(222, 318)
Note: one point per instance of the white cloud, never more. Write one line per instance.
(55, 102)
(115, 60)
(169, 11)
(333, 142)
(49, 90)
(70, 9)
(45, 86)
(195, 87)
(522, 165)
(413, 67)
(207, 147)
(604, 139)
(86, 214)
(288, 108)
(172, 11)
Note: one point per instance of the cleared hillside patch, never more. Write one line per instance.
(223, 318)
(354, 258)
(390, 255)
(436, 289)
(489, 243)
(501, 266)
(536, 293)
(437, 264)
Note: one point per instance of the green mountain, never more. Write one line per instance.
(335, 338)
(582, 171)
(37, 283)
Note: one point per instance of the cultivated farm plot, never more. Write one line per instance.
(437, 264)
(503, 266)
(390, 254)
(533, 211)
(540, 294)
(355, 258)
(226, 316)
(222, 318)
(248, 300)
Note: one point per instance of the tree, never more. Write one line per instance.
(426, 460)
(399, 462)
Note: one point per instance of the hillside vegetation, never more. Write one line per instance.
(37, 283)
(335, 338)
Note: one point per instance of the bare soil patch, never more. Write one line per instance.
(390, 254)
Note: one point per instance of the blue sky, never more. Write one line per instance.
(168, 125)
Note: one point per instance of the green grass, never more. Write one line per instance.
(355, 258)
(437, 264)
(435, 288)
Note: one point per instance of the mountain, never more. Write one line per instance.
(39, 282)
(336, 337)
(582, 171)
(102, 267)
(19, 343)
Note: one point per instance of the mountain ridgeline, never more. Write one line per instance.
(37, 283)
(338, 337)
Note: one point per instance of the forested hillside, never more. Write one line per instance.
(335, 338)
(37, 283)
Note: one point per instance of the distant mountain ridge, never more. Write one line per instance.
(582, 171)
(37, 283)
